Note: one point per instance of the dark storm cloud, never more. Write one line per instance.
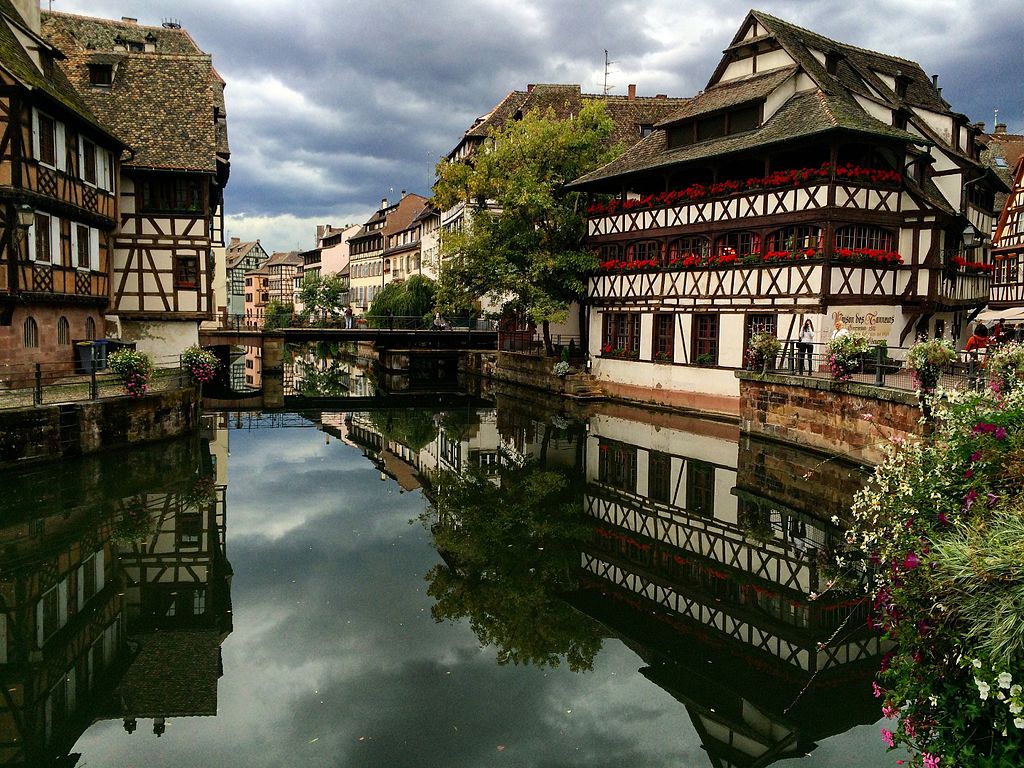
(333, 105)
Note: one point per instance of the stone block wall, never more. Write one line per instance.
(52, 432)
(839, 418)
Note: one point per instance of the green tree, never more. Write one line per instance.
(324, 297)
(523, 244)
(511, 552)
(409, 301)
(277, 315)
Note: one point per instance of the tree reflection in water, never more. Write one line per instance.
(511, 545)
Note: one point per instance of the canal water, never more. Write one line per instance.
(487, 582)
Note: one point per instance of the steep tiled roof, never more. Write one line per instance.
(284, 258)
(175, 674)
(235, 253)
(565, 100)
(55, 86)
(161, 102)
(802, 116)
(731, 93)
(1005, 151)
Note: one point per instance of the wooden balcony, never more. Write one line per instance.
(962, 288)
(60, 283)
(752, 204)
(1004, 295)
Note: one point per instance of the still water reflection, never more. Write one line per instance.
(619, 588)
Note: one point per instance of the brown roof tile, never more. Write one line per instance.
(161, 102)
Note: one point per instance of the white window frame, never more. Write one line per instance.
(55, 255)
(82, 141)
(62, 612)
(94, 248)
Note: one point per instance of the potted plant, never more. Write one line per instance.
(133, 369)
(200, 363)
(846, 354)
(925, 361)
(762, 349)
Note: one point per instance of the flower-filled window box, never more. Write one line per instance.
(874, 257)
(972, 267)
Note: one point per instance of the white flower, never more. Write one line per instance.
(1015, 708)
(933, 700)
(983, 688)
(977, 663)
(1019, 722)
(1015, 690)
(1005, 678)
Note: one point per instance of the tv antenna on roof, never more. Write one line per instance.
(607, 70)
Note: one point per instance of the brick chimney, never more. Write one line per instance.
(234, 241)
(129, 20)
(632, 92)
(1000, 127)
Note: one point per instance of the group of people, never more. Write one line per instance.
(805, 343)
(982, 338)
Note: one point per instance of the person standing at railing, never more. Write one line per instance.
(348, 317)
(975, 349)
(805, 346)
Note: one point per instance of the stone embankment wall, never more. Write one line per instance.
(839, 418)
(52, 432)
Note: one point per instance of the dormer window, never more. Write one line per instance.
(646, 129)
(101, 75)
(714, 126)
(832, 59)
(902, 82)
(900, 119)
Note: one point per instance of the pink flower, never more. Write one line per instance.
(875, 689)
(887, 738)
(888, 711)
(911, 561)
(930, 760)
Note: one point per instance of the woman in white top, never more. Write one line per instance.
(804, 346)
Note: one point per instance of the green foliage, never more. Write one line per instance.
(324, 297)
(927, 359)
(412, 428)
(762, 350)
(413, 298)
(133, 369)
(512, 543)
(942, 522)
(845, 355)
(1005, 364)
(277, 315)
(522, 245)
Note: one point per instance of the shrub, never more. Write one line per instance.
(925, 361)
(200, 363)
(762, 350)
(942, 527)
(561, 368)
(133, 369)
(1005, 364)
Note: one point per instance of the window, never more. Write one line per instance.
(646, 129)
(664, 338)
(31, 333)
(645, 250)
(176, 194)
(659, 476)
(867, 237)
(63, 331)
(42, 241)
(87, 161)
(46, 137)
(617, 465)
(738, 244)
(190, 531)
(90, 328)
(688, 246)
(101, 75)
(705, 339)
(82, 243)
(791, 239)
(711, 127)
(186, 272)
(621, 334)
(700, 488)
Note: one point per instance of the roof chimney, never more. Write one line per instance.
(129, 20)
(631, 95)
(234, 241)
(529, 87)
(980, 126)
(935, 82)
(383, 203)
(403, 194)
(1000, 127)
(661, 96)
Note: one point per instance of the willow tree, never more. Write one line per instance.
(522, 246)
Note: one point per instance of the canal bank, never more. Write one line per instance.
(58, 431)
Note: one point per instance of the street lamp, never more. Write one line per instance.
(26, 215)
(971, 236)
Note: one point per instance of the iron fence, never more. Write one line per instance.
(77, 380)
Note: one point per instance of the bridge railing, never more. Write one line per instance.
(242, 323)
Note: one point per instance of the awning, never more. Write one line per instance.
(989, 316)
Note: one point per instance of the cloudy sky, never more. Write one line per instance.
(333, 105)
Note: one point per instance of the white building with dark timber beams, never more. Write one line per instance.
(810, 180)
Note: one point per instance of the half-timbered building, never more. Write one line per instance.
(160, 93)
(1007, 290)
(370, 267)
(810, 180)
(58, 186)
(241, 257)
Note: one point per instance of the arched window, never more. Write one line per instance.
(859, 236)
(643, 251)
(31, 332)
(792, 239)
(63, 331)
(90, 328)
(688, 246)
(738, 244)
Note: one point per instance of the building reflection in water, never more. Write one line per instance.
(705, 550)
(111, 607)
